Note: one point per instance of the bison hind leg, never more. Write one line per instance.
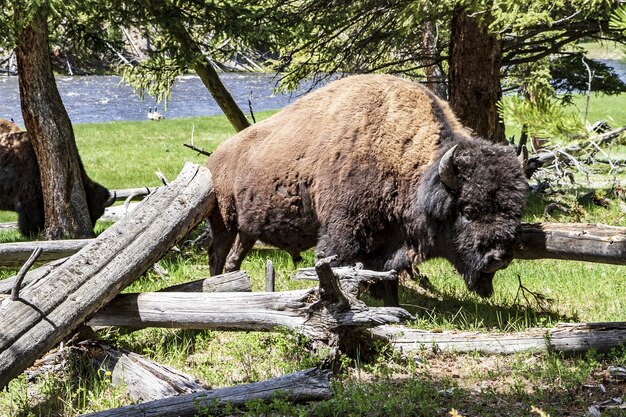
(30, 217)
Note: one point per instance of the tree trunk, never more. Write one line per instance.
(308, 385)
(565, 337)
(49, 310)
(474, 75)
(50, 130)
(189, 48)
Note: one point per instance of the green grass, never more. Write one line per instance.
(126, 154)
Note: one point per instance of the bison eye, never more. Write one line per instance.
(469, 213)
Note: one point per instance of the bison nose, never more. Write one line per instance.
(496, 259)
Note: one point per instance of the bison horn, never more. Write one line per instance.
(111, 200)
(522, 157)
(446, 169)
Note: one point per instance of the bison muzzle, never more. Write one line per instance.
(374, 169)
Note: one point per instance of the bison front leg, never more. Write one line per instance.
(220, 242)
(243, 245)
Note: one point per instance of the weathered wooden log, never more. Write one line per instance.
(6, 285)
(133, 193)
(4, 227)
(303, 386)
(50, 309)
(15, 254)
(353, 279)
(143, 379)
(325, 314)
(565, 337)
(236, 281)
(574, 242)
(115, 213)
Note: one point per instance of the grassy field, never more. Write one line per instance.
(121, 155)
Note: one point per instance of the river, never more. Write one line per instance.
(103, 98)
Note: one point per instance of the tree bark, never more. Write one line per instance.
(52, 308)
(50, 130)
(474, 75)
(309, 385)
(14, 254)
(565, 337)
(143, 379)
(573, 242)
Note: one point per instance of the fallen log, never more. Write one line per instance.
(132, 193)
(236, 281)
(5, 227)
(115, 213)
(54, 306)
(303, 386)
(143, 379)
(565, 337)
(7, 285)
(15, 254)
(353, 279)
(325, 315)
(574, 242)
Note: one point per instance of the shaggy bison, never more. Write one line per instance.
(20, 186)
(371, 168)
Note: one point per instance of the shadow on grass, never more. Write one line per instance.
(432, 307)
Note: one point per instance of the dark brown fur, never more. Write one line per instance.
(20, 185)
(352, 168)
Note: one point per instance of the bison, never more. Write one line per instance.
(20, 185)
(370, 168)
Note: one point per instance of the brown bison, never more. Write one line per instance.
(20, 185)
(371, 168)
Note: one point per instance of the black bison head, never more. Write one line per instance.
(473, 206)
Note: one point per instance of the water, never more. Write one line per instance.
(95, 99)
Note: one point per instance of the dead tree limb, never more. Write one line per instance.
(143, 379)
(542, 158)
(325, 315)
(565, 337)
(13, 254)
(309, 385)
(236, 281)
(6, 285)
(57, 304)
(123, 194)
(574, 242)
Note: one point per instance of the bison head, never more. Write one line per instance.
(479, 197)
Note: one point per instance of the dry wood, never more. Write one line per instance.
(19, 278)
(125, 193)
(270, 274)
(8, 284)
(14, 254)
(565, 337)
(353, 279)
(325, 315)
(309, 385)
(143, 379)
(115, 213)
(542, 158)
(4, 227)
(50, 309)
(574, 242)
(236, 281)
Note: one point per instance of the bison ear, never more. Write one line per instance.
(446, 169)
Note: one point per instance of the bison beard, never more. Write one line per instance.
(373, 169)
(20, 186)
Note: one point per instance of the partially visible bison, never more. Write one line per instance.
(371, 168)
(20, 185)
